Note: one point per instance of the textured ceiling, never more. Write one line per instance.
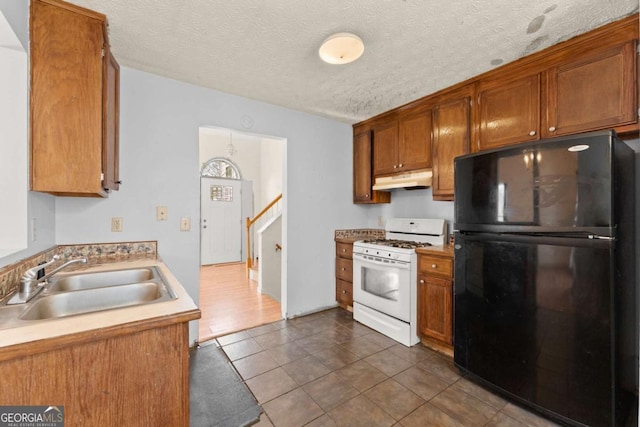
(268, 49)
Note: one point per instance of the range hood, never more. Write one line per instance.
(414, 179)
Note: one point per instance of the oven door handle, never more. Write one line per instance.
(383, 262)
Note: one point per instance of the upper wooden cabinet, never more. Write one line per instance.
(385, 149)
(402, 145)
(593, 91)
(586, 83)
(507, 112)
(450, 139)
(362, 176)
(74, 101)
(414, 145)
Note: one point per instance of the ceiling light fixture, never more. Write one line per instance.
(341, 48)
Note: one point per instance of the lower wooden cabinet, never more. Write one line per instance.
(344, 275)
(435, 299)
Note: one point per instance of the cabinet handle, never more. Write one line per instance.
(434, 266)
(400, 165)
(366, 195)
(395, 166)
(118, 182)
(422, 281)
(532, 133)
(342, 268)
(344, 292)
(344, 250)
(552, 129)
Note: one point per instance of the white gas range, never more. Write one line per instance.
(385, 275)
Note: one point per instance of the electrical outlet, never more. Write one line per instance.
(185, 223)
(116, 224)
(161, 213)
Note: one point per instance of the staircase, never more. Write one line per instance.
(267, 215)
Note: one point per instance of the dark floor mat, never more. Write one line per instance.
(218, 397)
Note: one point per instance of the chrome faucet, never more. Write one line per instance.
(31, 285)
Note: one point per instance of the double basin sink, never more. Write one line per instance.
(88, 292)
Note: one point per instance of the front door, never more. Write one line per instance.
(221, 220)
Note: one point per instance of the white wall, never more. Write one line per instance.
(271, 167)
(158, 150)
(39, 206)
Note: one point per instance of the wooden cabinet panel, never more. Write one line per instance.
(508, 113)
(435, 316)
(344, 250)
(344, 274)
(436, 266)
(134, 379)
(414, 145)
(362, 173)
(385, 149)
(111, 122)
(450, 139)
(74, 84)
(344, 292)
(594, 92)
(344, 269)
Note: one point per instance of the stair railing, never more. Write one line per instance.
(250, 222)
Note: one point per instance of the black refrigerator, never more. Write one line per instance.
(545, 301)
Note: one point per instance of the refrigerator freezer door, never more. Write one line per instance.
(562, 185)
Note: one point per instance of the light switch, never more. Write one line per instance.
(116, 224)
(161, 213)
(185, 223)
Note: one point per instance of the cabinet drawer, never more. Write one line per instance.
(344, 250)
(344, 292)
(344, 269)
(436, 266)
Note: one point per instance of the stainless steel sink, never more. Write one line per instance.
(101, 279)
(88, 292)
(87, 301)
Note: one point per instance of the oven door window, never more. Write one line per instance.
(382, 283)
(383, 286)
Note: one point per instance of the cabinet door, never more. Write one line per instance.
(344, 269)
(110, 147)
(344, 292)
(385, 149)
(66, 100)
(414, 145)
(362, 179)
(593, 92)
(508, 113)
(450, 139)
(435, 314)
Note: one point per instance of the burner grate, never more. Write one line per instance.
(395, 243)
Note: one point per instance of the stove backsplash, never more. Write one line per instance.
(360, 233)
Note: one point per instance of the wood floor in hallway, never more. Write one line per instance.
(230, 302)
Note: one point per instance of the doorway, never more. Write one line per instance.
(243, 172)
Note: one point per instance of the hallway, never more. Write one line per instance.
(230, 302)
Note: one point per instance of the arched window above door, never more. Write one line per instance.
(220, 167)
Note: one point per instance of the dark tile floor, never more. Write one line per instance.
(326, 369)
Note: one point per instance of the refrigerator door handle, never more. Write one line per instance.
(596, 237)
